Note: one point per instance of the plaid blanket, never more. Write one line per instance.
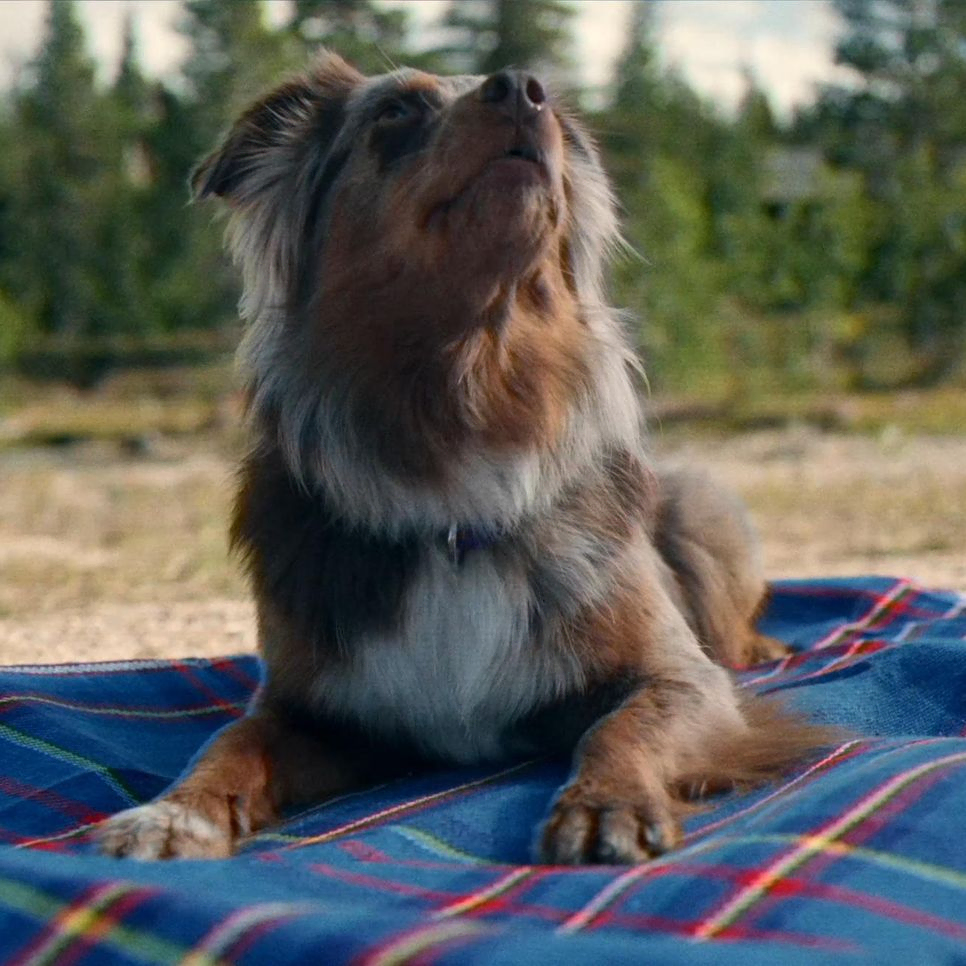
(858, 858)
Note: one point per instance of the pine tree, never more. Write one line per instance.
(120, 256)
(656, 139)
(902, 128)
(16, 325)
(749, 246)
(56, 114)
(634, 114)
(637, 74)
(130, 90)
(190, 282)
(233, 57)
(756, 119)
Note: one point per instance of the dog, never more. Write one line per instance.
(459, 546)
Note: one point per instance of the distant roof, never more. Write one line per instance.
(791, 174)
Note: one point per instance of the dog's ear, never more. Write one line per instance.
(240, 166)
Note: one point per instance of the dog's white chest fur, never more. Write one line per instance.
(461, 668)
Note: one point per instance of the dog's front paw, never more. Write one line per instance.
(586, 827)
(762, 648)
(169, 829)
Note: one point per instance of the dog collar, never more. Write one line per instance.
(458, 539)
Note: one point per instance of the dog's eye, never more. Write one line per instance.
(396, 111)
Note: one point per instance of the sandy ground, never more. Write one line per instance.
(104, 556)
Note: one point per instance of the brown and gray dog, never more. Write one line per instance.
(459, 547)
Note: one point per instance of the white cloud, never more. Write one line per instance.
(159, 45)
(600, 30)
(161, 48)
(20, 26)
(786, 43)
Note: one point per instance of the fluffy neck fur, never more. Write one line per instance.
(451, 437)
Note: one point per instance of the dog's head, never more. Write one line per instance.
(422, 260)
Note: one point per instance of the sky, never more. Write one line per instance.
(786, 43)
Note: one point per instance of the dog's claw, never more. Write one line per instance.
(580, 831)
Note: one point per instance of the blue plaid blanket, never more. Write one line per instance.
(858, 858)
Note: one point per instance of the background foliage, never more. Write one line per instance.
(823, 251)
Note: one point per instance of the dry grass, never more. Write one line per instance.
(96, 527)
(106, 555)
(833, 504)
(128, 407)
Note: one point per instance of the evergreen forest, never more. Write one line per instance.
(820, 251)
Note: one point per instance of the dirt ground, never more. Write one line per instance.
(106, 556)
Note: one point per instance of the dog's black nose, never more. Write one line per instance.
(515, 93)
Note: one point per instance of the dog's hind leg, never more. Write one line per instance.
(704, 535)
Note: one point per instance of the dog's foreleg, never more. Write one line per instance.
(621, 804)
(252, 769)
